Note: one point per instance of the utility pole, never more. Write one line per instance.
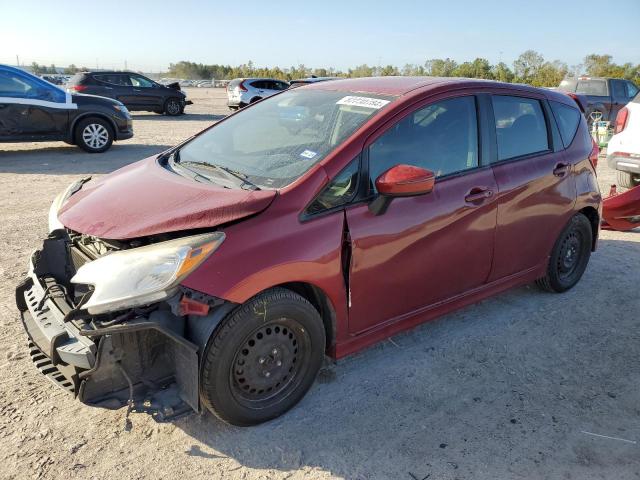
(125, 65)
(17, 61)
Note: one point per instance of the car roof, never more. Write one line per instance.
(401, 85)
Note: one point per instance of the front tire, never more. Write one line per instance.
(173, 107)
(627, 179)
(94, 135)
(569, 257)
(263, 358)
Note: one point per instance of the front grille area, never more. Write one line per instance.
(47, 368)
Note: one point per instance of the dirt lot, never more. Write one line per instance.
(503, 389)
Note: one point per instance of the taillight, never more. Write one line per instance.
(241, 87)
(621, 119)
(593, 156)
(79, 88)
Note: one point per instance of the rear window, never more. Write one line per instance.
(597, 88)
(520, 126)
(568, 119)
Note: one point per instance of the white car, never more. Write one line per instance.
(623, 150)
(243, 91)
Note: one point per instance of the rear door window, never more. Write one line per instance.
(568, 119)
(521, 128)
(442, 137)
(596, 88)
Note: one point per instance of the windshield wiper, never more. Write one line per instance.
(228, 171)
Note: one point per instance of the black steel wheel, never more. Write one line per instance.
(263, 358)
(570, 256)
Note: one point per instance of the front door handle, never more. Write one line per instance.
(561, 169)
(478, 194)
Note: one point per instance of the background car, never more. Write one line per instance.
(32, 110)
(604, 95)
(623, 150)
(243, 91)
(136, 91)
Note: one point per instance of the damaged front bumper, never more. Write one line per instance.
(148, 358)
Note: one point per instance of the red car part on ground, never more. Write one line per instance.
(621, 211)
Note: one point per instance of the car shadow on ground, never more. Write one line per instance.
(187, 117)
(507, 385)
(69, 160)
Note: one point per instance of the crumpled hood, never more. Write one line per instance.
(146, 199)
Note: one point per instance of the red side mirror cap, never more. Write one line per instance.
(405, 181)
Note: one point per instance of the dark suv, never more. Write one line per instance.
(136, 91)
(604, 95)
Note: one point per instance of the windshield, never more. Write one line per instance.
(277, 140)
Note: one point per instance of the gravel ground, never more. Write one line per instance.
(506, 388)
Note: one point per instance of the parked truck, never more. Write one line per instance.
(603, 95)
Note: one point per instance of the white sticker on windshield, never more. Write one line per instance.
(308, 154)
(367, 102)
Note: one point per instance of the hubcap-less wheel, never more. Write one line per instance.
(267, 365)
(95, 135)
(262, 358)
(173, 107)
(569, 254)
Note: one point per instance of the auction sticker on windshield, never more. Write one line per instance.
(367, 102)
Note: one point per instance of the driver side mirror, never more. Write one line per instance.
(401, 181)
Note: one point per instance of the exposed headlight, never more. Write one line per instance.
(144, 275)
(59, 201)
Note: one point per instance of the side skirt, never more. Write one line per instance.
(412, 319)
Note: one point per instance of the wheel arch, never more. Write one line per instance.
(594, 218)
(321, 302)
(74, 124)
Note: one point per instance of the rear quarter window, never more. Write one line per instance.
(568, 119)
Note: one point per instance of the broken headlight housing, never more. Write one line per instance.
(143, 275)
(60, 200)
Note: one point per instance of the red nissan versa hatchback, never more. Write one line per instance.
(318, 221)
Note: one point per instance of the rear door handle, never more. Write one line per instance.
(478, 194)
(3, 105)
(561, 169)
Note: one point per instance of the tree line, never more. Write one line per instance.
(530, 67)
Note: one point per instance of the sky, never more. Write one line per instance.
(148, 35)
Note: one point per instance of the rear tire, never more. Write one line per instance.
(569, 257)
(173, 107)
(263, 358)
(627, 179)
(254, 100)
(94, 135)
